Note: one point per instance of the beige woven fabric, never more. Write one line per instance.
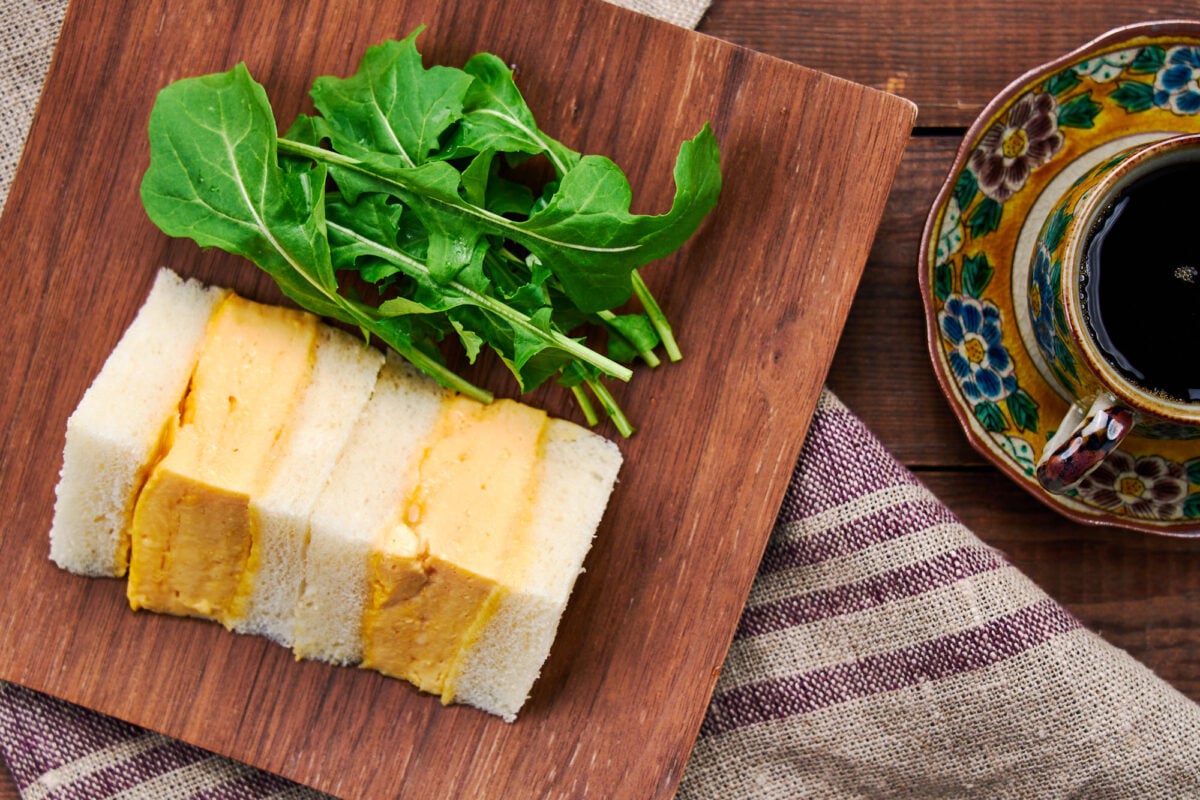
(684, 13)
(886, 652)
(28, 32)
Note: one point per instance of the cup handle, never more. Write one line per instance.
(1082, 442)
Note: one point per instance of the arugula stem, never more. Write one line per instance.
(606, 316)
(657, 318)
(497, 221)
(585, 405)
(440, 372)
(648, 356)
(551, 153)
(445, 376)
(559, 340)
(624, 426)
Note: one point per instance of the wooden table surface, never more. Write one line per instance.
(1141, 593)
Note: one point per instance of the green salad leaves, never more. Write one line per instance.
(397, 208)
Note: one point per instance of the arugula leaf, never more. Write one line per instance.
(402, 179)
(496, 117)
(585, 233)
(634, 336)
(214, 177)
(392, 106)
(515, 335)
(592, 243)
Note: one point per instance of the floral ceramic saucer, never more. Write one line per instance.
(1135, 84)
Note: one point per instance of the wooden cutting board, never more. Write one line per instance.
(758, 298)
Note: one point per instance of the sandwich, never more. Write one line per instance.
(252, 465)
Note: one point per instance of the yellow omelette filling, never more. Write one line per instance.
(193, 544)
(440, 572)
(166, 438)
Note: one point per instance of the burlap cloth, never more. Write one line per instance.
(885, 650)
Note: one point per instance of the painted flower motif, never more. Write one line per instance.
(1107, 67)
(1041, 299)
(950, 236)
(1046, 314)
(1147, 487)
(1025, 139)
(977, 354)
(1175, 84)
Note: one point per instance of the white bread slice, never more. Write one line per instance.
(114, 435)
(344, 373)
(364, 493)
(579, 472)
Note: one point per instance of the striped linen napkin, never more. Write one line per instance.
(885, 650)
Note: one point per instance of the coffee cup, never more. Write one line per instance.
(1114, 302)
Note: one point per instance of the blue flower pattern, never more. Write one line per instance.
(1041, 305)
(977, 356)
(1175, 85)
(1046, 314)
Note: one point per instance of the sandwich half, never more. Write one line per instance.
(444, 551)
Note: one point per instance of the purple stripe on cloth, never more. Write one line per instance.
(39, 734)
(881, 525)
(127, 773)
(252, 785)
(28, 720)
(840, 461)
(932, 660)
(907, 581)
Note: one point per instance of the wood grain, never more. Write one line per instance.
(759, 297)
(882, 368)
(949, 58)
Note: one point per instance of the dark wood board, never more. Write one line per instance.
(916, 420)
(759, 298)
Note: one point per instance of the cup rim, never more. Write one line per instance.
(1124, 390)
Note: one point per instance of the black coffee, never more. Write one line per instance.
(1141, 282)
